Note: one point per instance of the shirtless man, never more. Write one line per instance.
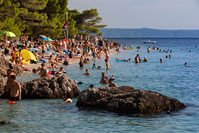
(61, 71)
(9, 73)
(104, 79)
(14, 89)
(42, 71)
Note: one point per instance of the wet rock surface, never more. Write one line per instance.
(127, 100)
(60, 86)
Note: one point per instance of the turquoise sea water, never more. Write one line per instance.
(170, 78)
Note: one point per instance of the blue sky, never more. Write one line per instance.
(158, 14)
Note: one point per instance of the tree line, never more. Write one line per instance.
(35, 17)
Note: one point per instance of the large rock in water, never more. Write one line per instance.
(5, 65)
(60, 86)
(126, 100)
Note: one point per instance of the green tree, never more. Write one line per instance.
(34, 17)
(88, 22)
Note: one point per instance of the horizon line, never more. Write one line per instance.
(148, 29)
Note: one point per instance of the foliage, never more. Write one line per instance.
(34, 17)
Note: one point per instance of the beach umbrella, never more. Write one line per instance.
(33, 49)
(43, 36)
(9, 34)
(47, 39)
(26, 55)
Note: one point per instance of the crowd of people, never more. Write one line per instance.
(52, 55)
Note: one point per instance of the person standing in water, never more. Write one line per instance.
(87, 73)
(14, 88)
(112, 84)
(104, 79)
(161, 60)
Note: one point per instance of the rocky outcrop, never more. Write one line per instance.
(126, 100)
(2, 84)
(5, 65)
(49, 88)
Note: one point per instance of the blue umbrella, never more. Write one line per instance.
(47, 39)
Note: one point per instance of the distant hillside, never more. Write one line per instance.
(148, 33)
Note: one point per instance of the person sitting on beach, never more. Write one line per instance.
(18, 62)
(94, 67)
(35, 54)
(51, 60)
(52, 67)
(87, 73)
(104, 79)
(14, 88)
(65, 61)
(111, 83)
(57, 59)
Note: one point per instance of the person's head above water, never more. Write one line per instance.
(91, 86)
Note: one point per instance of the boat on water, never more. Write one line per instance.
(149, 41)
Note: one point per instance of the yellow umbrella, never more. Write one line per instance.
(26, 55)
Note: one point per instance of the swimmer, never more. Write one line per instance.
(145, 59)
(87, 73)
(99, 67)
(112, 77)
(68, 100)
(186, 64)
(52, 67)
(170, 56)
(161, 61)
(91, 86)
(94, 67)
(166, 56)
(112, 84)
(104, 79)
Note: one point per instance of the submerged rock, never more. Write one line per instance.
(60, 86)
(5, 65)
(127, 100)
